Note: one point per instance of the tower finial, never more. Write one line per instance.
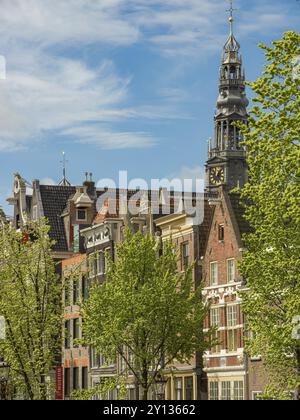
(231, 17)
(64, 182)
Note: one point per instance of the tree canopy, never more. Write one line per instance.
(271, 264)
(146, 313)
(30, 302)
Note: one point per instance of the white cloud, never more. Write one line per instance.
(65, 21)
(47, 181)
(45, 92)
(99, 136)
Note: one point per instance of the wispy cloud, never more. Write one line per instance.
(105, 138)
(47, 93)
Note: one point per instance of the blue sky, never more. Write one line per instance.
(119, 84)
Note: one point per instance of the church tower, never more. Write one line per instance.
(226, 164)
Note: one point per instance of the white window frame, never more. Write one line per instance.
(215, 317)
(231, 271)
(232, 316)
(237, 388)
(256, 394)
(225, 390)
(214, 391)
(178, 388)
(214, 279)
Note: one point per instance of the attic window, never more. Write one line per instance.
(81, 215)
(221, 233)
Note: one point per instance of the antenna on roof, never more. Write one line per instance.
(64, 182)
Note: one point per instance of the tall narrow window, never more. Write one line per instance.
(221, 233)
(76, 332)
(232, 331)
(75, 378)
(225, 390)
(67, 381)
(101, 263)
(215, 322)
(84, 288)
(231, 316)
(215, 317)
(93, 264)
(76, 292)
(67, 335)
(67, 293)
(185, 255)
(178, 389)
(84, 378)
(213, 274)
(238, 390)
(232, 339)
(214, 391)
(230, 271)
(189, 388)
(94, 358)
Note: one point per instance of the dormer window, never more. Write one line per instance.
(81, 215)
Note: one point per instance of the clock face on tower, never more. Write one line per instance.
(217, 176)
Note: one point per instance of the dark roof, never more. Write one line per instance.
(238, 207)
(204, 229)
(54, 199)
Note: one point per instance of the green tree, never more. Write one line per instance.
(146, 313)
(271, 264)
(30, 295)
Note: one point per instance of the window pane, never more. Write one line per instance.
(215, 317)
(67, 382)
(214, 274)
(185, 251)
(189, 388)
(225, 390)
(75, 378)
(76, 334)
(216, 338)
(238, 390)
(231, 316)
(214, 391)
(67, 294)
(230, 271)
(81, 214)
(67, 334)
(232, 340)
(75, 292)
(85, 288)
(84, 378)
(178, 389)
(221, 232)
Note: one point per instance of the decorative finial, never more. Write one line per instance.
(231, 17)
(64, 161)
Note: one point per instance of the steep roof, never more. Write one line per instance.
(54, 200)
(238, 207)
(204, 228)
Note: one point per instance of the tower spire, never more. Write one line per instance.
(226, 163)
